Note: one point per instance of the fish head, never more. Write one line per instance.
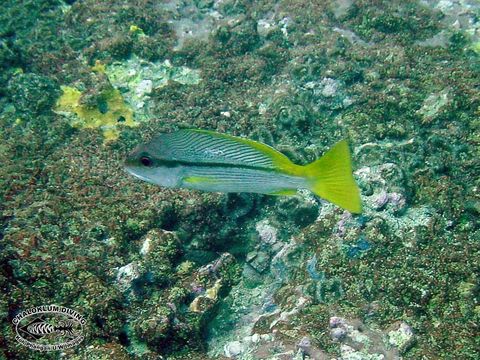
(146, 164)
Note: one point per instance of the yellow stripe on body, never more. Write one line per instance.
(199, 180)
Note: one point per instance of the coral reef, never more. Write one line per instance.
(178, 274)
(138, 79)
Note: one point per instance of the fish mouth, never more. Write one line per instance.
(132, 172)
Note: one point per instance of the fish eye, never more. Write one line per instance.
(146, 161)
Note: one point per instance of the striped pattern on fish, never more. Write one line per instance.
(210, 161)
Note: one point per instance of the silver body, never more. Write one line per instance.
(203, 160)
(224, 179)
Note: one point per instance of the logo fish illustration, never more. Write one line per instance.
(39, 328)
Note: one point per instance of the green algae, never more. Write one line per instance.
(32, 94)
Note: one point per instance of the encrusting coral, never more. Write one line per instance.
(108, 114)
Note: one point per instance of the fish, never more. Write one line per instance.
(39, 328)
(211, 161)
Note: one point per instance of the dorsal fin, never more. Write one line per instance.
(203, 146)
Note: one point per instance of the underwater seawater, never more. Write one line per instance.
(233, 179)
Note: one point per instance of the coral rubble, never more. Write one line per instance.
(178, 274)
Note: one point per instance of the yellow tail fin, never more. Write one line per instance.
(331, 178)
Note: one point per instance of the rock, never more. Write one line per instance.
(126, 274)
(32, 94)
(255, 338)
(403, 337)
(357, 341)
(154, 324)
(159, 249)
(338, 334)
(300, 210)
(336, 321)
(266, 232)
(146, 246)
(329, 93)
(213, 277)
(233, 349)
(259, 260)
(433, 104)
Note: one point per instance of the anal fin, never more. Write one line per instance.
(284, 192)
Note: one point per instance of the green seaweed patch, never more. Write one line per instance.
(110, 112)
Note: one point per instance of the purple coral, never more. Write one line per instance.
(336, 321)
